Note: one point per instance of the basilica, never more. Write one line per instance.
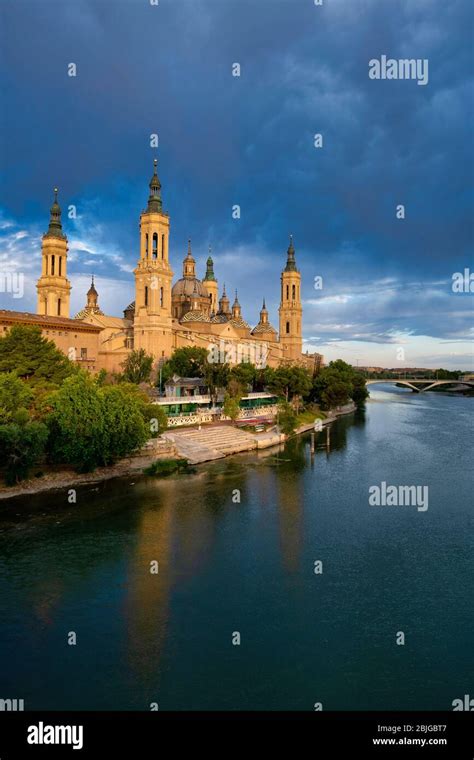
(164, 315)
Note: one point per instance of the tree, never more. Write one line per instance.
(34, 358)
(336, 384)
(245, 374)
(14, 395)
(188, 361)
(291, 381)
(137, 367)
(124, 428)
(231, 407)
(21, 445)
(286, 418)
(93, 425)
(216, 376)
(22, 441)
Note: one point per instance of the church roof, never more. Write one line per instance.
(87, 310)
(263, 328)
(189, 286)
(195, 315)
(44, 320)
(239, 322)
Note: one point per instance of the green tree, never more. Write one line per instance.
(76, 424)
(336, 384)
(123, 424)
(14, 395)
(92, 425)
(22, 443)
(231, 407)
(216, 376)
(245, 374)
(189, 361)
(137, 367)
(286, 418)
(34, 358)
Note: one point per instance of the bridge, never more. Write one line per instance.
(415, 384)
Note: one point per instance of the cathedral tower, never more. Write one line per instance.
(53, 286)
(290, 310)
(153, 276)
(210, 283)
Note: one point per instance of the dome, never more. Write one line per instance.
(189, 286)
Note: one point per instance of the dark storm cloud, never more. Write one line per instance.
(249, 141)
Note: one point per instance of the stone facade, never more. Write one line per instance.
(164, 316)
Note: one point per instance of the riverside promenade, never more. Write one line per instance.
(218, 441)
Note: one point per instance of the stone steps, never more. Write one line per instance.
(210, 443)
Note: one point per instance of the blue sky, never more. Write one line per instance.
(249, 140)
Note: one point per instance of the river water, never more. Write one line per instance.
(248, 568)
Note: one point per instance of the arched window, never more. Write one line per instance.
(287, 292)
(155, 245)
(293, 292)
(146, 296)
(59, 307)
(162, 246)
(59, 263)
(52, 265)
(146, 245)
(287, 328)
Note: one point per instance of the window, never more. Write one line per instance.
(83, 353)
(287, 328)
(155, 246)
(294, 292)
(52, 264)
(287, 292)
(59, 307)
(161, 296)
(162, 246)
(59, 263)
(146, 296)
(146, 245)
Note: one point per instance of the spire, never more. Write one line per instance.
(290, 260)
(189, 263)
(92, 295)
(236, 310)
(154, 199)
(209, 268)
(263, 314)
(55, 227)
(224, 303)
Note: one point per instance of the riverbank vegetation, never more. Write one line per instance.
(53, 411)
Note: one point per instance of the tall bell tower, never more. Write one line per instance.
(290, 310)
(153, 278)
(53, 286)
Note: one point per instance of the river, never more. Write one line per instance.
(248, 568)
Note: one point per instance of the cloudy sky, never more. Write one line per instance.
(166, 69)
